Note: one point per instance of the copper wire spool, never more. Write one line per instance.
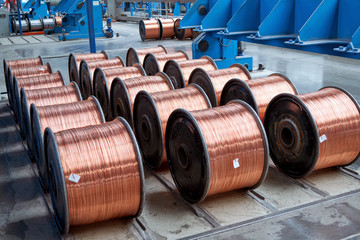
(58, 21)
(155, 63)
(75, 60)
(30, 83)
(179, 72)
(103, 79)
(182, 34)
(60, 117)
(87, 70)
(166, 28)
(45, 97)
(111, 175)
(216, 150)
(257, 92)
(313, 131)
(213, 82)
(149, 29)
(18, 64)
(25, 72)
(151, 112)
(137, 55)
(123, 92)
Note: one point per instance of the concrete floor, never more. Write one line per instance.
(324, 205)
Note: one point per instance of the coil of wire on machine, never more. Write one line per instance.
(151, 112)
(149, 29)
(216, 150)
(112, 172)
(155, 63)
(103, 79)
(213, 82)
(75, 60)
(313, 131)
(137, 55)
(123, 92)
(25, 72)
(87, 70)
(60, 117)
(182, 34)
(166, 28)
(257, 92)
(44, 97)
(29, 83)
(179, 72)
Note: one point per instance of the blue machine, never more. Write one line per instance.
(177, 8)
(75, 21)
(37, 9)
(321, 26)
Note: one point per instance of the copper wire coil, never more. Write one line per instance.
(17, 64)
(30, 83)
(313, 131)
(44, 97)
(179, 72)
(216, 150)
(149, 29)
(213, 82)
(182, 34)
(87, 70)
(166, 28)
(257, 92)
(60, 117)
(137, 55)
(58, 21)
(75, 60)
(108, 162)
(123, 92)
(25, 72)
(151, 112)
(103, 79)
(154, 63)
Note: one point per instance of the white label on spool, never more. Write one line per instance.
(74, 177)
(42, 69)
(96, 3)
(236, 163)
(322, 138)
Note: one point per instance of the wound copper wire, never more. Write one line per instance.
(179, 72)
(167, 28)
(151, 112)
(182, 34)
(337, 117)
(31, 71)
(224, 148)
(123, 93)
(154, 63)
(149, 29)
(90, 57)
(60, 117)
(19, 63)
(257, 92)
(87, 70)
(111, 179)
(214, 81)
(137, 55)
(313, 131)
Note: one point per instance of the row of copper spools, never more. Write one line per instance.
(162, 28)
(204, 123)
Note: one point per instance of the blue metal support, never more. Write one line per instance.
(19, 17)
(89, 7)
(37, 9)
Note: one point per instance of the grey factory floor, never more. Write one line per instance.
(324, 205)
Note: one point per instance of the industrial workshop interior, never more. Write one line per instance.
(180, 119)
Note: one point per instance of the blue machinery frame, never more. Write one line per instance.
(321, 26)
(37, 9)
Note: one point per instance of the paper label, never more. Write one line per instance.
(236, 163)
(42, 69)
(96, 3)
(322, 138)
(74, 177)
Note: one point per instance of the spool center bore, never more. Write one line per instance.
(119, 107)
(183, 156)
(146, 128)
(174, 82)
(288, 136)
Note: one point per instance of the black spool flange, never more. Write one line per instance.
(151, 64)
(188, 155)
(132, 56)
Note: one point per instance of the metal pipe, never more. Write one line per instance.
(90, 17)
(18, 12)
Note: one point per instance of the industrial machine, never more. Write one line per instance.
(321, 26)
(4, 22)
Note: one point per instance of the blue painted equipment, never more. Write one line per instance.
(75, 21)
(37, 9)
(322, 26)
(109, 32)
(177, 8)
